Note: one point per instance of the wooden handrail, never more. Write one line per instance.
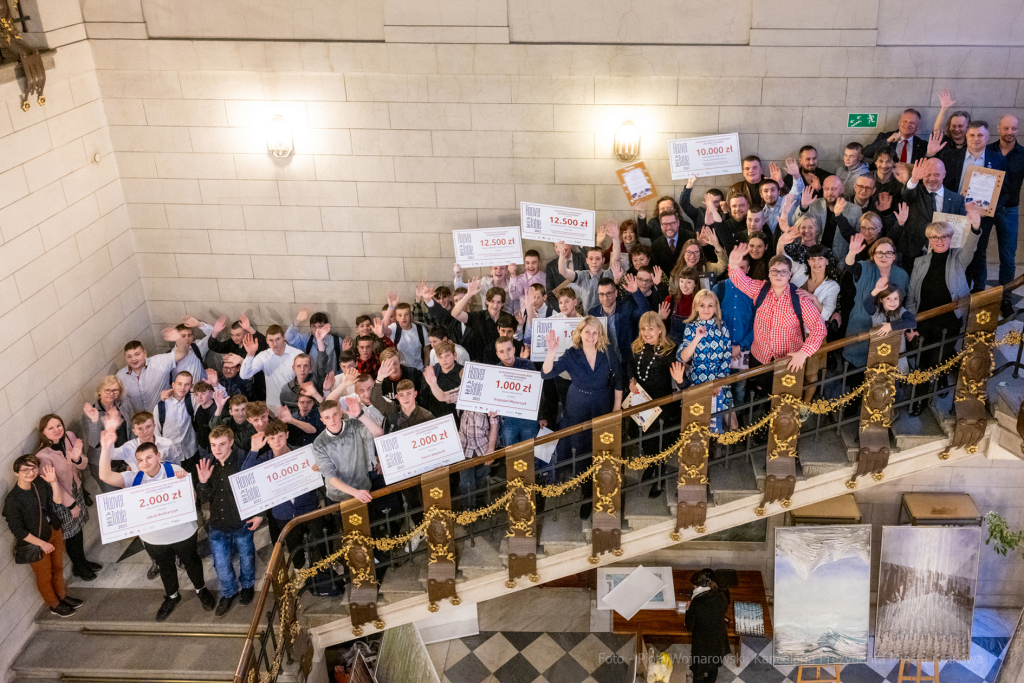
(549, 438)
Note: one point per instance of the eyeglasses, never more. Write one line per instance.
(886, 254)
(939, 238)
(779, 273)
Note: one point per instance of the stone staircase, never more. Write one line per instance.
(114, 637)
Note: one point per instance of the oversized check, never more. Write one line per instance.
(707, 156)
(414, 450)
(557, 224)
(563, 327)
(272, 482)
(142, 509)
(488, 247)
(510, 392)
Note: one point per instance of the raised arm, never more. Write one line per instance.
(946, 101)
(107, 476)
(459, 310)
(565, 261)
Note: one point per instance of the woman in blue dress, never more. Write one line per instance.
(596, 387)
(706, 350)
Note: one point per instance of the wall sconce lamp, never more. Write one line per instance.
(627, 141)
(279, 138)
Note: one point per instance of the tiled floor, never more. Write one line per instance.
(514, 656)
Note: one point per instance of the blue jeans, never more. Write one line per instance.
(1005, 223)
(224, 545)
(516, 429)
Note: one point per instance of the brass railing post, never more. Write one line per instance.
(606, 533)
(362, 603)
(876, 407)
(783, 432)
(975, 371)
(522, 513)
(692, 485)
(437, 508)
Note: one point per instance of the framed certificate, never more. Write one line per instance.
(981, 186)
(636, 182)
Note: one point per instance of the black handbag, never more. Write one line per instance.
(29, 553)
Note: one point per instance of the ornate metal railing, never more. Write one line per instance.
(770, 427)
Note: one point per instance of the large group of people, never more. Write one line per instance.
(676, 296)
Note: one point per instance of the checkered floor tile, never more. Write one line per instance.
(529, 657)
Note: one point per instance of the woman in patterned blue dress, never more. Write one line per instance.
(706, 349)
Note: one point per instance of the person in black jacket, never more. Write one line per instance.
(234, 345)
(705, 619)
(30, 509)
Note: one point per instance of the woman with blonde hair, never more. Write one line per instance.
(109, 404)
(650, 370)
(62, 450)
(596, 387)
(706, 348)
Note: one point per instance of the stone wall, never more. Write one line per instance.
(70, 290)
(398, 144)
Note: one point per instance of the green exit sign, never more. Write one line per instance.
(861, 120)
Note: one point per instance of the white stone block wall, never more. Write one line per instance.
(71, 292)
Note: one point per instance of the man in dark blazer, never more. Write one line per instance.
(623, 317)
(976, 147)
(924, 195)
(977, 152)
(666, 249)
(902, 143)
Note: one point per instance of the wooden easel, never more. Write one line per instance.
(934, 678)
(817, 674)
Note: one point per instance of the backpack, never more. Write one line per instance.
(337, 346)
(161, 410)
(168, 469)
(419, 332)
(793, 297)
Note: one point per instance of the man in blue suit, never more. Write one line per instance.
(958, 163)
(623, 316)
(924, 194)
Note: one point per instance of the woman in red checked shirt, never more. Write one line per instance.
(777, 331)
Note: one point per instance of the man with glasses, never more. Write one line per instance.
(924, 194)
(623, 316)
(666, 249)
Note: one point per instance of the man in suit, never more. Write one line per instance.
(812, 176)
(623, 317)
(665, 250)
(958, 162)
(1006, 218)
(924, 195)
(906, 148)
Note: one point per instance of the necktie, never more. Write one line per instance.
(672, 244)
(933, 194)
(903, 151)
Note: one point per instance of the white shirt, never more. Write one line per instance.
(461, 355)
(177, 425)
(939, 195)
(142, 390)
(909, 143)
(408, 345)
(169, 452)
(277, 370)
(970, 160)
(172, 534)
(190, 363)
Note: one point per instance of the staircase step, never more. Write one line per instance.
(404, 581)
(588, 527)
(850, 434)
(822, 453)
(121, 609)
(732, 480)
(916, 431)
(481, 557)
(561, 532)
(503, 552)
(53, 654)
(642, 511)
